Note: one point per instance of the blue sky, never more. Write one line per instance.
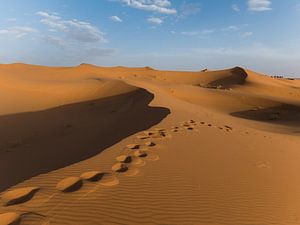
(263, 35)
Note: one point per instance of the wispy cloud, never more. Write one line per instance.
(159, 6)
(16, 32)
(116, 19)
(100, 52)
(155, 20)
(11, 19)
(230, 28)
(198, 32)
(188, 9)
(56, 41)
(73, 29)
(190, 33)
(259, 5)
(247, 34)
(235, 7)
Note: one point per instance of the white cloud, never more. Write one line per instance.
(190, 33)
(155, 20)
(235, 7)
(73, 29)
(160, 6)
(230, 28)
(247, 34)
(12, 19)
(16, 32)
(198, 33)
(207, 31)
(116, 19)
(259, 5)
(56, 41)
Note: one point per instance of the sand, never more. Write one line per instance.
(211, 147)
(92, 175)
(18, 196)
(9, 218)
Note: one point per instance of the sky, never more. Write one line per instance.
(262, 35)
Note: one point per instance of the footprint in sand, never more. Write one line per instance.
(153, 157)
(140, 153)
(263, 165)
(175, 129)
(138, 162)
(69, 184)
(10, 218)
(189, 128)
(150, 144)
(119, 167)
(132, 172)
(92, 176)
(19, 195)
(124, 159)
(159, 134)
(142, 137)
(148, 133)
(133, 146)
(228, 127)
(15, 218)
(109, 180)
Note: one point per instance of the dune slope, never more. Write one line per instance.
(39, 142)
(165, 147)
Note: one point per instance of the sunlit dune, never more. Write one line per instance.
(119, 145)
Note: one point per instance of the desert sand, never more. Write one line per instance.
(115, 145)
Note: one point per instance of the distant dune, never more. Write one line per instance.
(117, 145)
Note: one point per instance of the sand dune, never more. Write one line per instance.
(116, 145)
(77, 132)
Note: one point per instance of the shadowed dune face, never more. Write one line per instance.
(224, 79)
(39, 142)
(236, 76)
(283, 114)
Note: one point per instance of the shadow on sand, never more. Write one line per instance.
(284, 114)
(236, 76)
(38, 142)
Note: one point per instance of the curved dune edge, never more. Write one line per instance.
(127, 163)
(85, 129)
(205, 167)
(18, 196)
(10, 218)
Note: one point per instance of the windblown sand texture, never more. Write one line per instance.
(97, 145)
